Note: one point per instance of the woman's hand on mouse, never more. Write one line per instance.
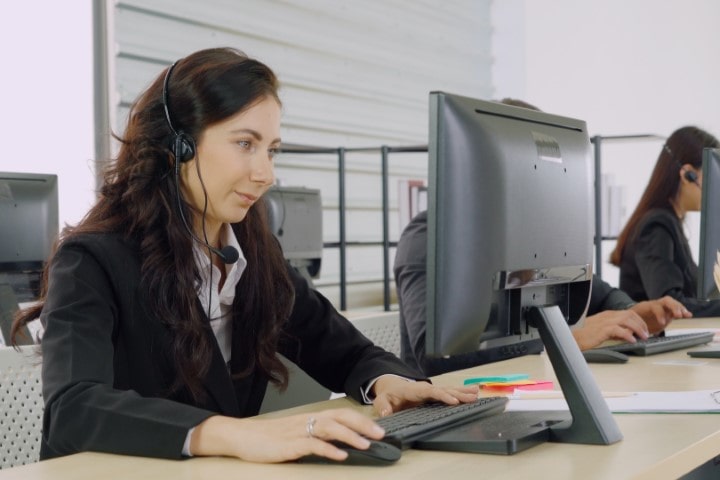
(286, 438)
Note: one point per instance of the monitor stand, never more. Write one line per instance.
(592, 421)
(588, 421)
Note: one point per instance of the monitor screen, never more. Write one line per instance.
(510, 225)
(709, 225)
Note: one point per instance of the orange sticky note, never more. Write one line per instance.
(518, 384)
(536, 386)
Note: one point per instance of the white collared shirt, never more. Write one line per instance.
(219, 300)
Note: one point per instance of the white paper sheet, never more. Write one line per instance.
(695, 401)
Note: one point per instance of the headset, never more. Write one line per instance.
(182, 146)
(689, 175)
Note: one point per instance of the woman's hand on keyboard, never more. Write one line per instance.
(393, 394)
(659, 313)
(623, 325)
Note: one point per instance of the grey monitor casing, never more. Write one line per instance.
(28, 219)
(510, 221)
(510, 251)
(295, 218)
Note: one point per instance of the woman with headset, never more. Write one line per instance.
(164, 308)
(652, 251)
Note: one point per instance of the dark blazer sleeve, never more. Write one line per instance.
(410, 269)
(605, 297)
(331, 350)
(666, 267)
(655, 258)
(83, 408)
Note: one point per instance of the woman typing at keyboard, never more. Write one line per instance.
(165, 308)
(652, 251)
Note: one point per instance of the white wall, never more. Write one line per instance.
(624, 66)
(637, 66)
(46, 124)
(352, 74)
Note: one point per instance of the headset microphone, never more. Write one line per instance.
(228, 254)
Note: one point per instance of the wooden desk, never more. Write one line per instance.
(654, 446)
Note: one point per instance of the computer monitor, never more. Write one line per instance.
(28, 228)
(709, 225)
(295, 217)
(510, 228)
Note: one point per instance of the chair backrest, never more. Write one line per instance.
(21, 406)
(383, 329)
(8, 308)
(302, 389)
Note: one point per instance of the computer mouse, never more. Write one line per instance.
(601, 355)
(379, 453)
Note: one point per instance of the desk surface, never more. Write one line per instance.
(654, 445)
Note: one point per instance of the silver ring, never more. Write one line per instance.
(310, 427)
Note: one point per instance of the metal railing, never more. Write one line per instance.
(342, 244)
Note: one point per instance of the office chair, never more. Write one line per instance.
(383, 329)
(302, 389)
(21, 406)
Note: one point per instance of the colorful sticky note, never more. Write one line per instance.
(496, 378)
(517, 385)
(536, 386)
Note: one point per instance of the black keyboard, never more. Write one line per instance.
(654, 345)
(405, 427)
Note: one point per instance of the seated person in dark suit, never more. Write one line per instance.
(611, 313)
(652, 251)
(166, 307)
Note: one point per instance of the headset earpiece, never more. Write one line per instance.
(691, 176)
(182, 145)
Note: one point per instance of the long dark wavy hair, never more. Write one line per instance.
(138, 200)
(684, 146)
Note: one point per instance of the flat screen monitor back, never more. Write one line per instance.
(295, 218)
(510, 229)
(28, 219)
(709, 225)
(509, 221)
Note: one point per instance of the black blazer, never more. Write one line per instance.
(657, 261)
(605, 297)
(107, 368)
